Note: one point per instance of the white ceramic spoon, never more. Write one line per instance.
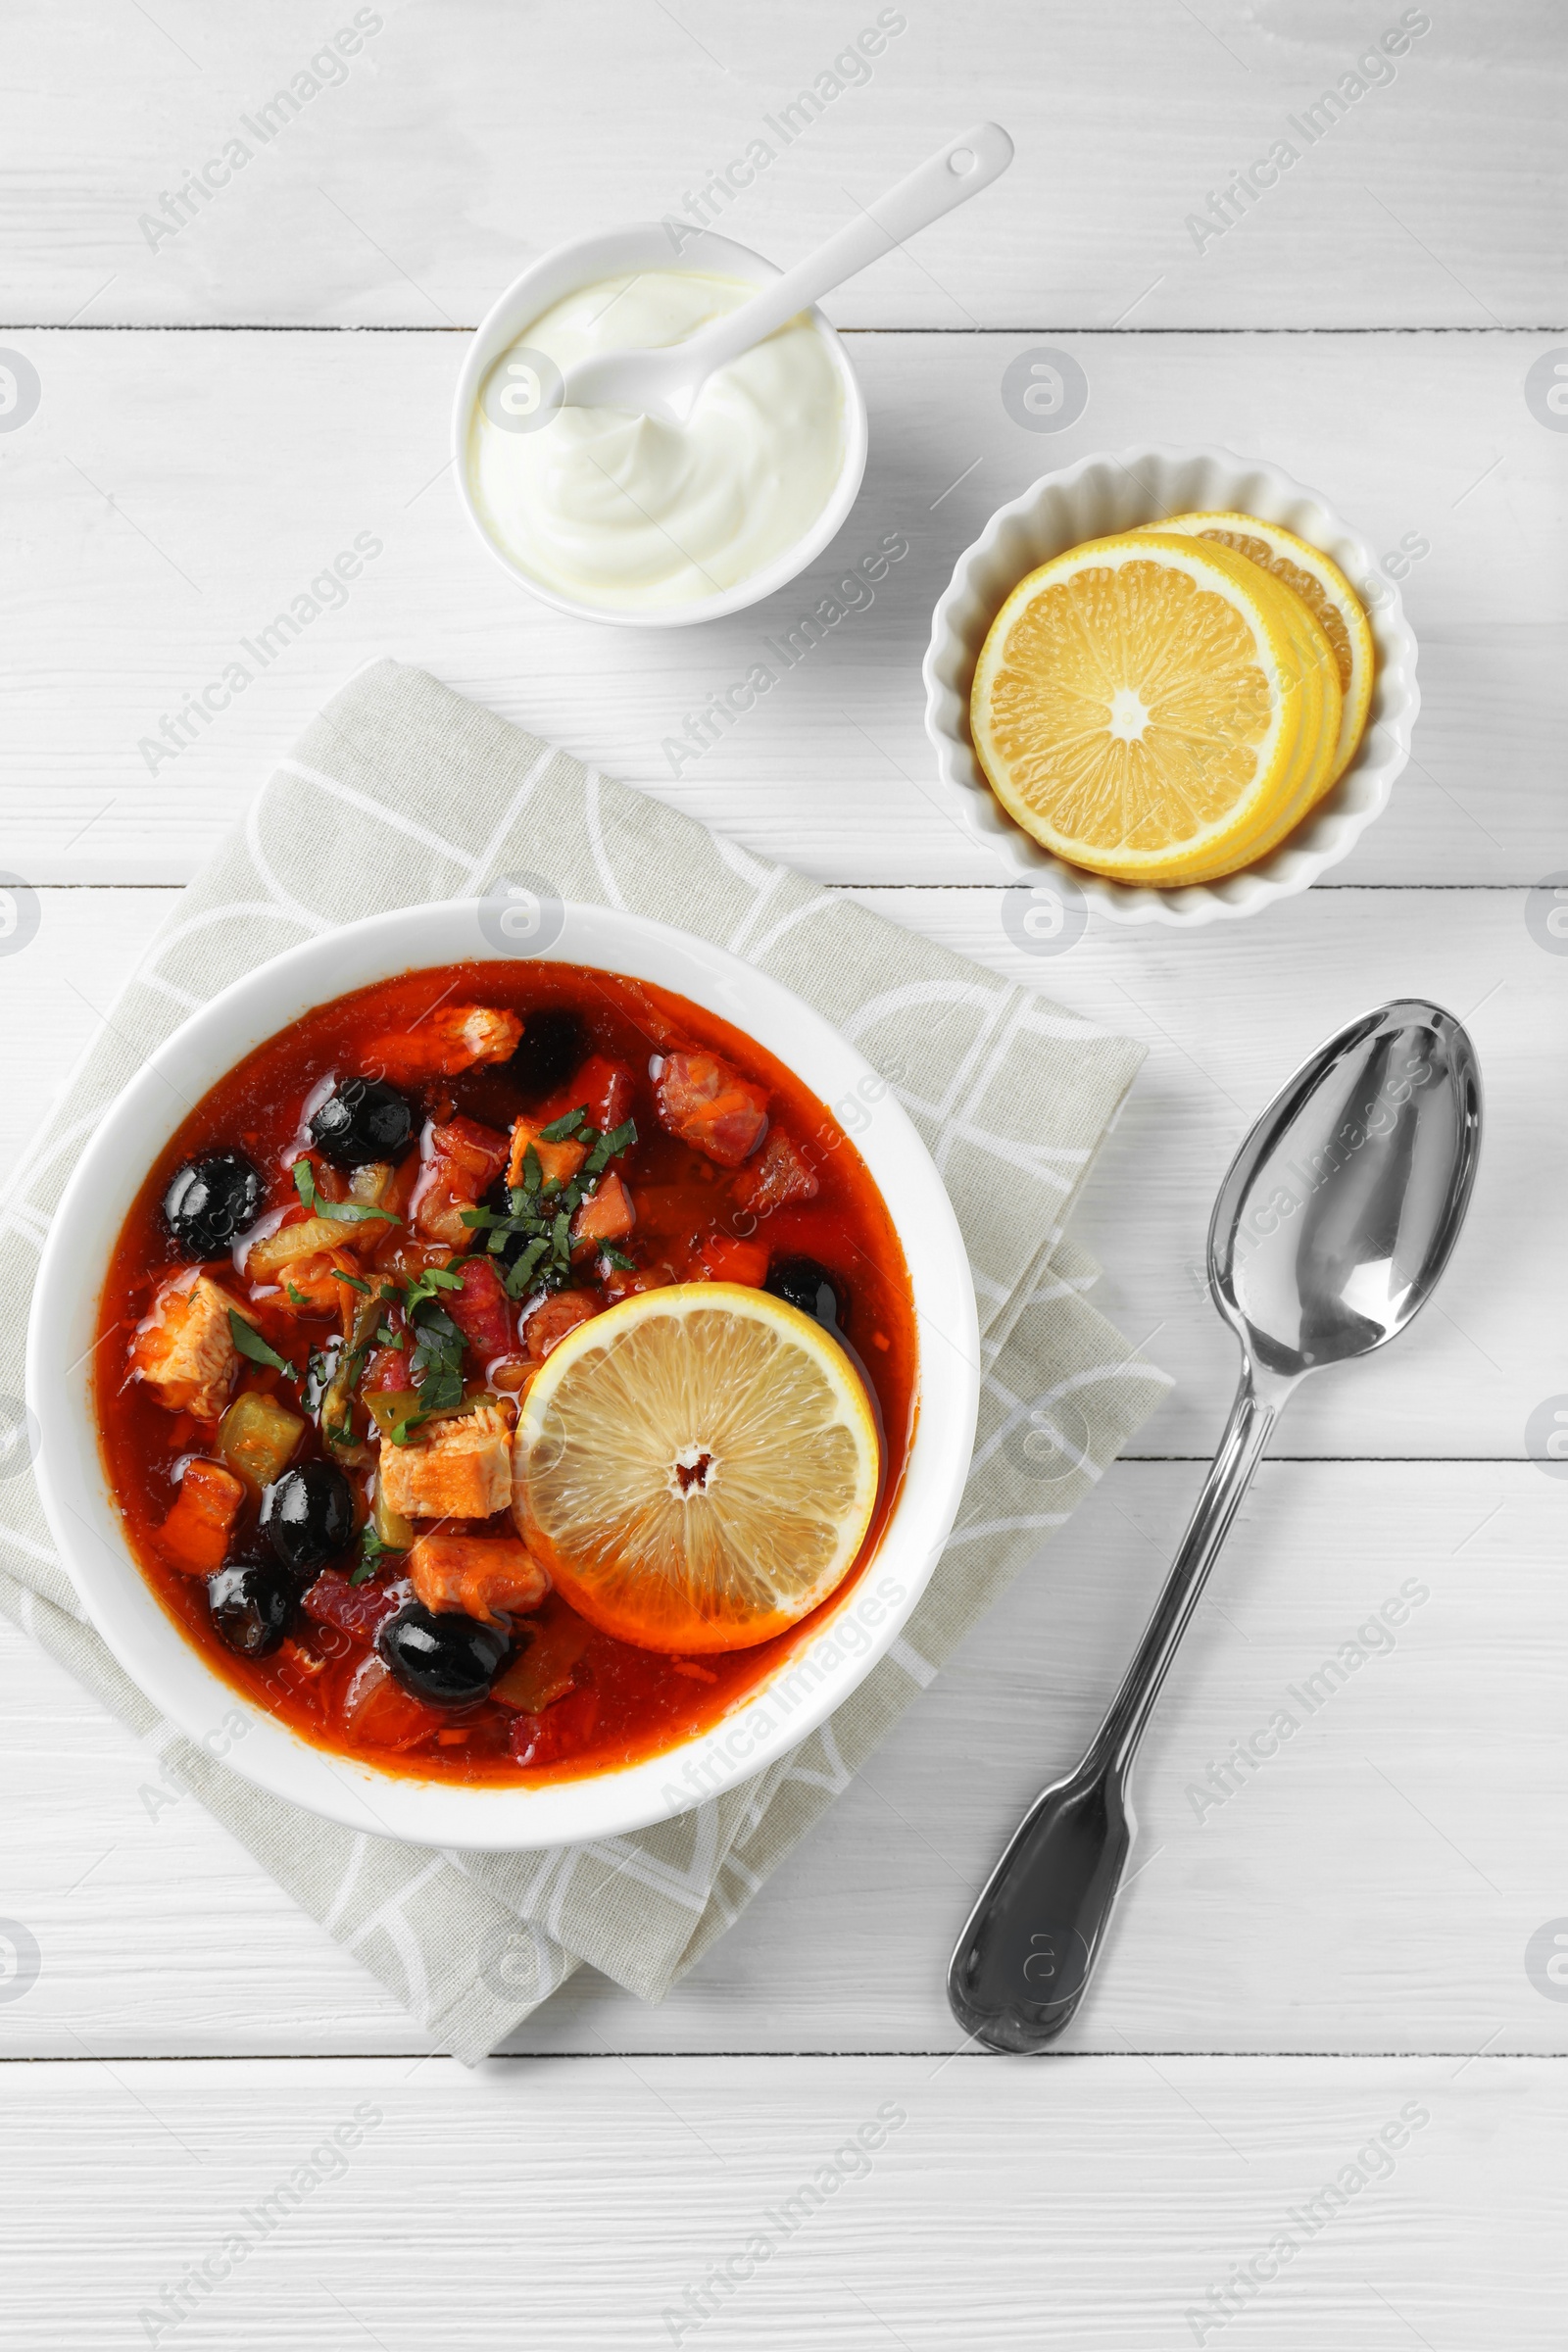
(665, 383)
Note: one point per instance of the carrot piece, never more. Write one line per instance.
(195, 1535)
(559, 1162)
(607, 1215)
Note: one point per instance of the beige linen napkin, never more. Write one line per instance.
(402, 792)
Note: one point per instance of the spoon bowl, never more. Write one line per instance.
(1338, 1213)
(1332, 1228)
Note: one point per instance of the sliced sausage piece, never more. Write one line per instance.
(481, 1309)
(184, 1350)
(389, 1368)
(465, 1161)
(778, 1177)
(706, 1101)
(603, 1087)
(484, 1576)
(553, 1318)
(475, 1152)
(358, 1610)
(452, 1038)
(457, 1469)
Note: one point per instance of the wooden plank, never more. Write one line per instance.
(860, 2203)
(1370, 1882)
(56, 990)
(175, 493)
(1226, 1017)
(452, 148)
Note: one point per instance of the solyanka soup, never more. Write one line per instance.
(423, 1259)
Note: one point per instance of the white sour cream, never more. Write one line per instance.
(622, 510)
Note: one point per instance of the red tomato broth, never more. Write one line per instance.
(647, 1702)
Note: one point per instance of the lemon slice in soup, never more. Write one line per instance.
(698, 1467)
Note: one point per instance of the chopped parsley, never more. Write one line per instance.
(374, 1553)
(535, 1234)
(609, 1146)
(426, 1286)
(437, 1361)
(249, 1340)
(532, 1239)
(520, 1274)
(337, 1212)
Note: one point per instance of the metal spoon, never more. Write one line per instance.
(1330, 1231)
(665, 383)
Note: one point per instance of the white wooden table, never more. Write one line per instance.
(1361, 1931)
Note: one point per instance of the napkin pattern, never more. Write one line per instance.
(403, 792)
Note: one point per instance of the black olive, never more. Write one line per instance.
(253, 1604)
(800, 1282)
(308, 1516)
(552, 1043)
(448, 1660)
(362, 1121)
(210, 1201)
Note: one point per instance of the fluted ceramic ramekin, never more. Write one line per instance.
(1115, 491)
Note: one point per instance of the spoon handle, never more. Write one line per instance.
(1026, 1952)
(945, 180)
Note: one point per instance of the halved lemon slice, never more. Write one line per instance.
(697, 1467)
(1150, 706)
(1327, 595)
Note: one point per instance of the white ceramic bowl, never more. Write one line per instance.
(644, 245)
(1116, 492)
(153, 1649)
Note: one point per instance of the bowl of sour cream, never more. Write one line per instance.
(628, 519)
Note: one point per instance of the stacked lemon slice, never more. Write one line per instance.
(1164, 706)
